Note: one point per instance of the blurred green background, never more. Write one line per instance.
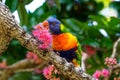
(95, 23)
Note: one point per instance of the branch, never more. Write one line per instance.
(19, 66)
(10, 28)
(39, 66)
(114, 53)
(114, 68)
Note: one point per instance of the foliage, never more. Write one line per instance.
(79, 17)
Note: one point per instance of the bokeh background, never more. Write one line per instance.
(95, 23)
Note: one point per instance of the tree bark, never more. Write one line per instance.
(9, 28)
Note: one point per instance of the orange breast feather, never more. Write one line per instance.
(64, 41)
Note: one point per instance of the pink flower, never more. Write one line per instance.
(105, 73)
(97, 74)
(36, 33)
(47, 71)
(3, 64)
(35, 57)
(29, 55)
(42, 34)
(110, 61)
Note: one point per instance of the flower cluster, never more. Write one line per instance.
(98, 74)
(110, 61)
(51, 73)
(42, 34)
(31, 55)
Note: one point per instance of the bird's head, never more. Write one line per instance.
(54, 25)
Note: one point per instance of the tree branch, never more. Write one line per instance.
(114, 53)
(114, 68)
(11, 29)
(25, 64)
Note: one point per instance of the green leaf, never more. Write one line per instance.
(115, 5)
(106, 43)
(12, 4)
(101, 20)
(65, 1)
(41, 13)
(58, 4)
(91, 42)
(69, 6)
(28, 1)
(114, 21)
(22, 14)
(22, 76)
(69, 24)
(38, 77)
(79, 24)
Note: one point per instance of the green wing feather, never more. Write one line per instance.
(79, 54)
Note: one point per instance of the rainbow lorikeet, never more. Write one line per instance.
(64, 42)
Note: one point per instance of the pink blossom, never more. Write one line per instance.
(42, 34)
(3, 64)
(105, 73)
(47, 71)
(97, 74)
(35, 57)
(110, 61)
(29, 55)
(56, 71)
(36, 33)
(50, 73)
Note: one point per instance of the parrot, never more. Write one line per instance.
(63, 42)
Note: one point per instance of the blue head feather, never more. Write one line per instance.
(54, 25)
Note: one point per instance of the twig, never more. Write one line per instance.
(23, 65)
(114, 53)
(41, 66)
(115, 48)
(85, 56)
(116, 66)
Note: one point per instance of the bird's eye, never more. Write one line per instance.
(53, 23)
